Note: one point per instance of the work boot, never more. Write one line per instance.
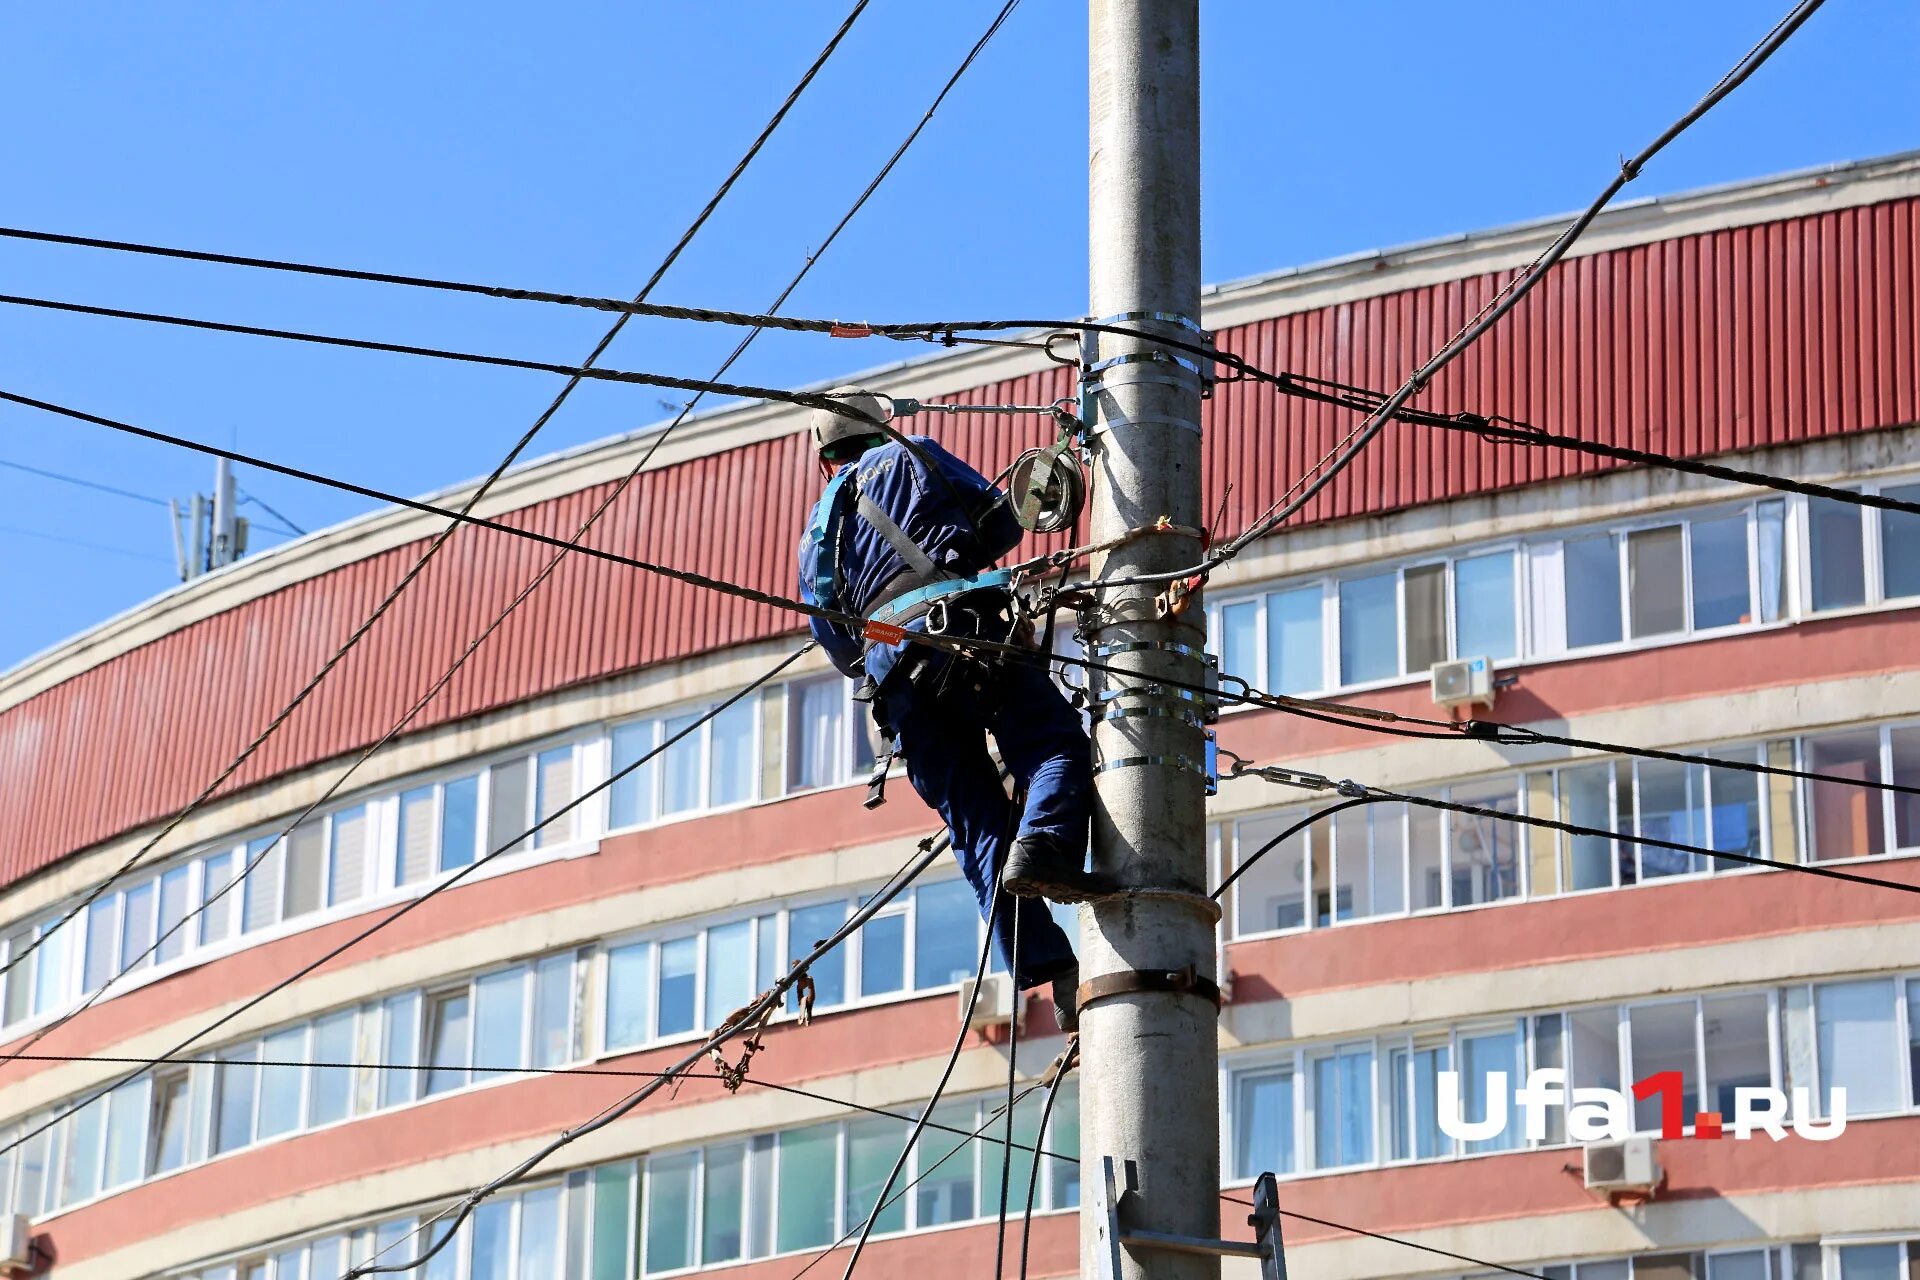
(1066, 1002)
(1039, 867)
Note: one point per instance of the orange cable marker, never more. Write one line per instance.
(883, 633)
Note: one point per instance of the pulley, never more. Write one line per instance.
(1047, 489)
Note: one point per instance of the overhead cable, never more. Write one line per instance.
(433, 548)
(887, 1202)
(1040, 1135)
(994, 904)
(628, 1073)
(64, 540)
(291, 527)
(1411, 1244)
(741, 1019)
(1369, 718)
(1512, 431)
(83, 483)
(1492, 313)
(413, 904)
(585, 372)
(1365, 794)
(593, 517)
(1496, 427)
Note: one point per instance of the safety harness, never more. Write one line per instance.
(908, 595)
(919, 591)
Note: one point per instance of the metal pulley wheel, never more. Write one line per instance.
(1047, 490)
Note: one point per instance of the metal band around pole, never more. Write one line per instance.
(1138, 762)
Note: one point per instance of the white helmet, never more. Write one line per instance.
(866, 410)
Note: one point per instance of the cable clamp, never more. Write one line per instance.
(1148, 691)
(1116, 647)
(1099, 423)
(1172, 761)
(1187, 981)
(1163, 317)
(1189, 718)
(1202, 368)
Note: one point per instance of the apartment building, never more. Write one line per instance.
(1771, 323)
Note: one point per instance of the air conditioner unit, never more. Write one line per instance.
(994, 1007)
(1463, 681)
(1626, 1166)
(16, 1245)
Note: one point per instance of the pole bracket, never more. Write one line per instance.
(1187, 981)
(1111, 1201)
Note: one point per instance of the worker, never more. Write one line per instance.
(908, 534)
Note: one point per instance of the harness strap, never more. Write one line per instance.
(906, 548)
(921, 597)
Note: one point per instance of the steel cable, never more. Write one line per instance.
(485, 486)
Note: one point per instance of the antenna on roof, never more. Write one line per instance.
(208, 534)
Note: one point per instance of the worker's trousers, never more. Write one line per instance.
(943, 739)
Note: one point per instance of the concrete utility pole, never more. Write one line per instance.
(1149, 1029)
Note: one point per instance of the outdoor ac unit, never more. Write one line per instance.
(1463, 681)
(16, 1245)
(995, 1005)
(1629, 1165)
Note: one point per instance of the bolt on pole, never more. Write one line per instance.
(1149, 1075)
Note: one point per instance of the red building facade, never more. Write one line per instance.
(1773, 323)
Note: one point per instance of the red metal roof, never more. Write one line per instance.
(1731, 339)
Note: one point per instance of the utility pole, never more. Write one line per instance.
(1150, 1019)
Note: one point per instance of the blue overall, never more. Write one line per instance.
(942, 724)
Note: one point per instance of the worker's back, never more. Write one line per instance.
(952, 514)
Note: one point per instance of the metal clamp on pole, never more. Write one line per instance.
(1111, 1202)
(1187, 981)
(1204, 366)
(1175, 761)
(1210, 701)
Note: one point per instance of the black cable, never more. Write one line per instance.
(1375, 1235)
(1370, 794)
(1505, 429)
(292, 528)
(1040, 1136)
(86, 545)
(564, 546)
(795, 1090)
(1519, 735)
(1241, 864)
(433, 548)
(1369, 718)
(1013, 1073)
(1494, 312)
(474, 1198)
(946, 1074)
(446, 677)
(978, 1135)
(736, 1022)
(83, 483)
(595, 373)
(414, 903)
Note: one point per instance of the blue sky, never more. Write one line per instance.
(566, 146)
